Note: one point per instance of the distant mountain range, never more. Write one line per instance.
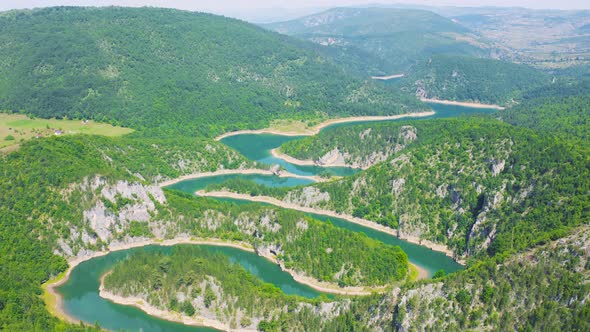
(399, 37)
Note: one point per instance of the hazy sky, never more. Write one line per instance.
(249, 8)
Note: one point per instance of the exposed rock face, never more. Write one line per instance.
(408, 134)
(308, 197)
(397, 186)
(111, 208)
(334, 157)
(480, 232)
(390, 146)
(497, 167)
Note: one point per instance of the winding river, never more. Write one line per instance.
(80, 291)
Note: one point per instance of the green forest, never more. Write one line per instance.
(169, 72)
(210, 283)
(461, 180)
(462, 78)
(507, 193)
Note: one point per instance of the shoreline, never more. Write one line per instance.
(462, 103)
(57, 309)
(387, 78)
(316, 129)
(325, 286)
(150, 310)
(363, 222)
(282, 174)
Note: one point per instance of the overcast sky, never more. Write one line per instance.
(250, 8)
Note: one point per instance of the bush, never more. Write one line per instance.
(9, 138)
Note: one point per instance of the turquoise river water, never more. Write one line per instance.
(80, 292)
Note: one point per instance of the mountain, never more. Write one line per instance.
(165, 71)
(478, 185)
(399, 37)
(543, 289)
(462, 78)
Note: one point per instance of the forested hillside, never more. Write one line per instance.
(470, 79)
(167, 72)
(544, 289)
(195, 282)
(73, 195)
(399, 37)
(480, 186)
(559, 110)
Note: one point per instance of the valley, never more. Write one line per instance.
(357, 169)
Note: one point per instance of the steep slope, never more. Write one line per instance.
(70, 196)
(461, 78)
(543, 289)
(562, 110)
(480, 186)
(397, 36)
(172, 72)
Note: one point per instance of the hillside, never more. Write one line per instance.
(69, 196)
(479, 186)
(399, 37)
(543, 289)
(166, 72)
(461, 78)
(560, 110)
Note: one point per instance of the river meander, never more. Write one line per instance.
(80, 292)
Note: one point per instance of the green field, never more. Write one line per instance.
(15, 128)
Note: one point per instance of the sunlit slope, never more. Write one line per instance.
(168, 72)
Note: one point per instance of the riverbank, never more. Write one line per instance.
(325, 287)
(282, 174)
(363, 222)
(149, 309)
(387, 78)
(462, 103)
(316, 129)
(53, 299)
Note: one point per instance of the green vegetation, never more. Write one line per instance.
(16, 127)
(462, 78)
(170, 72)
(210, 285)
(558, 110)
(319, 249)
(377, 143)
(478, 185)
(393, 39)
(48, 184)
(544, 289)
(35, 213)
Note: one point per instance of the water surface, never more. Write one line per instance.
(80, 292)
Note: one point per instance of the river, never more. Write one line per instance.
(80, 292)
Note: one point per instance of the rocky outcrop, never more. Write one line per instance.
(307, 197)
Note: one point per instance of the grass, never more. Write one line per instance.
(413, 273)
(51, 299)
(16, 128)
(291, 126)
